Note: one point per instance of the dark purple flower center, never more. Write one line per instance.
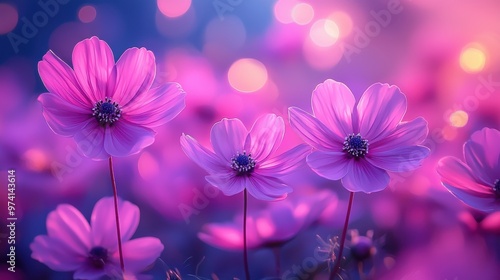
(98, 257)
(106, 112)
(355, 145)
(496, 187)
(362, 249)
(242, 163)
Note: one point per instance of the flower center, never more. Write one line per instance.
(106, 112)
(242, 163)
(496, 187)
(355, 145)
(98, 257)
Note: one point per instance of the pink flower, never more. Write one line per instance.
(244, 159)
(476, 182)
(359, 142)
(277, 224)
(71, 244)
(109, 109)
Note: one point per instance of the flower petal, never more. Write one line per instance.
(364, 177)
(267, 187)
(135, 72)
(285, 162)
(90, 141)
(333, 103)
(406, 134)
(330, 165)
(205, 158)
(104, 224)
(265, 136)
(380, 110)
(139, 253)
(93, 62)
(313, 132)
(55, 253)
(228, 137)
(162, 105)
(63, 117)
(482, 154)
(60, 79)
(480, 202)
(124, 138)
(399, 159)
(67, 224)
(458, 175)
(228, 183)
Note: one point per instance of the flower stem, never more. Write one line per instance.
(342, 239)
(276, 251)
(117, 218)
(245, 250)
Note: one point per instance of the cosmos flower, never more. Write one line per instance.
(476, 182)
(359, 142)
(71, 244)
(245, 159)
(277, 224)
(109, 109)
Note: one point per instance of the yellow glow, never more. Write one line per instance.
(459, 118)
(324, 32)
(302, 13)
(472, 59)
(247, 75)
(173, 8)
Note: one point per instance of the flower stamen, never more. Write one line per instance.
(106, 112)
(355, 145)
(242, 163)
(98, 257)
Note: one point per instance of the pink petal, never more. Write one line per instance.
(135, 72)
(313, 132)
(162, 105)
(93, 62)
(140, 253)
(332, 104)
(90, 141)
(89, 273)
(56, 254)
(380, 110)
(399, 159)
(265, 136)
(406, 134)
(364, 177)
(60, 79)
(203, 157)
(68, 225)
(475, 200)
(482, 154)
(228, 137)
(267, 187)
(63, 117)
(230, 236)
(228, 183)
(330, 165)
(104, 224)
(455, 173)
(124, 138)
(285, 162)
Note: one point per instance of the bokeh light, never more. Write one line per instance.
(302, 13)
(472, 58)
(173, 8)
(147, 166)
(459, 118)
(247, 75)
(87, 14)
(344, 22)
(9, 18)
(283, 10)
(324, 32)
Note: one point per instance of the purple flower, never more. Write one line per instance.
(109, 109)
(245, 159)
(476, 182)
(359, 142)
(71, 244)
